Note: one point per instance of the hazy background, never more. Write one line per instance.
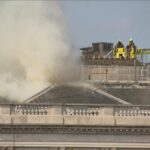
(110, 20)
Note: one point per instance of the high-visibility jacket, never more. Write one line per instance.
(132, 53)
(120, 52)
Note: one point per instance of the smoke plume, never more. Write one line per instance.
(35, 49)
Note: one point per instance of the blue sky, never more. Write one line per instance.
(107, 21)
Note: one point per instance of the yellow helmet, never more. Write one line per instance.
(130, 40)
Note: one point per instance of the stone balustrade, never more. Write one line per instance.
(81, 111)
(133, 111)
(74, 114)
(30, 109)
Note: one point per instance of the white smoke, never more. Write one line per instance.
(35, 49)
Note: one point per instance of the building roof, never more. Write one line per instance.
(70, 94)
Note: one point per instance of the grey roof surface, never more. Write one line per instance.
(68, 94)
(134, 95)
(72, 94)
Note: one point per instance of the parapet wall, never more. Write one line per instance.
(116, 73)
(88, 115)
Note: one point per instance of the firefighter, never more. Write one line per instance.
(131, 49)
(119, 51)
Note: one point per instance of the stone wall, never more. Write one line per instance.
(115, 73)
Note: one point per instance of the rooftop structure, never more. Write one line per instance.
(97, 51)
